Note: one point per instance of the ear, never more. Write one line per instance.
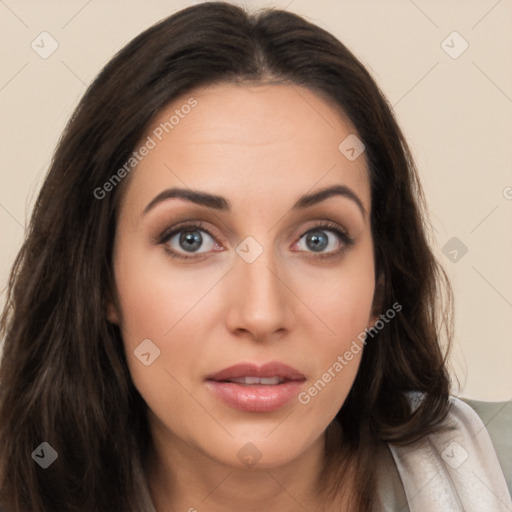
(378, 299)
(111, 309)
(112, 314)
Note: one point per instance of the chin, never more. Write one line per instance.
(262, 451)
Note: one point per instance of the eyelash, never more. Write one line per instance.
(199, 226)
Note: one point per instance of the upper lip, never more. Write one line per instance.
(273, 369)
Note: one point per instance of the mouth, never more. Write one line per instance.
(252, 388)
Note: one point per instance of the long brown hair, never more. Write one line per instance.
(64, 379)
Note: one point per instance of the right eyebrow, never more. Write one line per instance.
(194, 196)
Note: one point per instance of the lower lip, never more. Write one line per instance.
(255, 398)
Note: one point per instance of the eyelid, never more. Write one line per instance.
(187, 225)
(327, 225)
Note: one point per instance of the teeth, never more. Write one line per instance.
(248, 381)
(271, 381)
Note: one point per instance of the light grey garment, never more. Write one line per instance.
(144, 500)
(455, 470)
(434, 474)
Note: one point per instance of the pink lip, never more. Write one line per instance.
(259, 397)
(274, 369)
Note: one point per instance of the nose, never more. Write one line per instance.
(259, 299)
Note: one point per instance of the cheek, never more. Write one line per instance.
(155, 294)
(160, 308)
(340, 296)
(342, 305)
(337, 353)
(164, 305)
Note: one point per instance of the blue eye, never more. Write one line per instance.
(317, 240)
(188, 239)
(325, 240)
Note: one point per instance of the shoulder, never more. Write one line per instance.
(457, 466)
(497, 418)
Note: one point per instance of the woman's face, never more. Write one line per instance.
(253, 269)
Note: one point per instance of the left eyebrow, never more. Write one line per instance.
(222, 204)
(325, 193)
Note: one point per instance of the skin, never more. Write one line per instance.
(261, 147)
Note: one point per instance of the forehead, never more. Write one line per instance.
(234, 140)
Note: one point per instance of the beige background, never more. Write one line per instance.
(456, 113)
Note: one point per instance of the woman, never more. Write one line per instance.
(226, 299)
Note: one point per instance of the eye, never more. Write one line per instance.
(325, 239)
(191, 238)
